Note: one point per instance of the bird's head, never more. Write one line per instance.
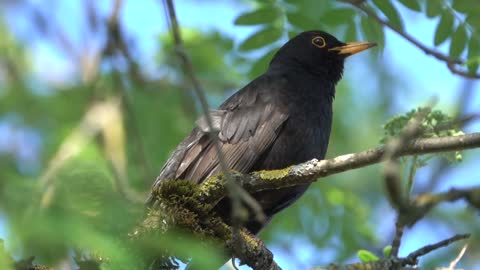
(317, 52)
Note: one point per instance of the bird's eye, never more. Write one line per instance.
(319, 42)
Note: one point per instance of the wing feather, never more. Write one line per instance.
(250, 122)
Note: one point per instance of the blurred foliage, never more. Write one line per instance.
(435, 124)
(54, 205)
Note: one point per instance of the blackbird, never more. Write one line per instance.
(281, 118)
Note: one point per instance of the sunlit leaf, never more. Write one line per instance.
(459, 41)
(260, 16)
(5, 259)
(387, 251)
(411, 4)
(435, 124)
(444, 28)
(261, 38)
(390, 11)
(366, 256)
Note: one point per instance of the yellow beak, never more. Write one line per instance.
(352, 48)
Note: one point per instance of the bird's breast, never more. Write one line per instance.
(304, 135)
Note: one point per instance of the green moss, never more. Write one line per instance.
(180, 205)
(251, 240)
(274, 174)
(170, 189)
(212, 184)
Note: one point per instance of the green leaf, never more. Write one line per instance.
(411, 4)
(366, 28)
(473, 20)
(444, 28)
(459, 41)
(351, 32)
(292, 34)
(379, 33)
(372, 31)
(435, 124)
(301, 21)
(462, 6)
(434, 8)
(458, 156)
(387, 251)
(261, 38)
(473, 61)
(390, 11)
(366, 256)
(260, 16)
(466, 7)
(338, 16)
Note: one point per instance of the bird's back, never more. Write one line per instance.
(277, 120)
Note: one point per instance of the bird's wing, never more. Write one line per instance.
(246, 125)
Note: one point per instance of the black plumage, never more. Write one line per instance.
(281, 118)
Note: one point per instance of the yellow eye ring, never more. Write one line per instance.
(319, 42)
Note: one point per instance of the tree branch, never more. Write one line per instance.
(412, 258)
(407, 263)
(213, 189)
(452, 63)
(235, 191)
(423, 203)
(392, 175)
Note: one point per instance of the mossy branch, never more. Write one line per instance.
(190, 206)
(213, 189)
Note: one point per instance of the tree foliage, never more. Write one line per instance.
(80, 144)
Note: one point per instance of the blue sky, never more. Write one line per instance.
(145, 21)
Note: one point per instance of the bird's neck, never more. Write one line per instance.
(329, 70)
(306, 82)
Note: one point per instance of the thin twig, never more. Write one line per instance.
(189, 71)
(422, 204)
(234, 190)
(116, 41)
(117, 7)
(407, 263)
(412, 258)
(452, 63)
(397, 239)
